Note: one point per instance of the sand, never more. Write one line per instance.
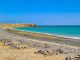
(8, 53)
(25, 54)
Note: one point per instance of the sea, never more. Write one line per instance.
(69, 31)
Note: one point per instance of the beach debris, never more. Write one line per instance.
(68, 58)
(41, 52)
(77, 57)
(59, 51)
(7, 43)
(46, 45)
(49, 52)
(18, 46)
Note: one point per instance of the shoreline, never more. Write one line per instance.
(28, 43)
(42, 34)
(45, 37)
(71, 37)
(41, 41)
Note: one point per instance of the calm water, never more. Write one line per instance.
(69, 31)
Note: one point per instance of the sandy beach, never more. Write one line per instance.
(20, 45)
(26, 54)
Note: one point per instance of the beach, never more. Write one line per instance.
(21, 45)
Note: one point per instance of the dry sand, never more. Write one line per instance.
(25, 54)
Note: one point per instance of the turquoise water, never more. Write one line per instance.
(73, 31)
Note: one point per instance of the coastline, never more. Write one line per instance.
(49, 34)
(26, 43)
(48, 38)
(40, 33)
(71, 46)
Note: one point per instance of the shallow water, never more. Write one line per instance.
(69, 31)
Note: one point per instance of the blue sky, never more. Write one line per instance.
(41, 12)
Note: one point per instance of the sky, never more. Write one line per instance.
(40, 12)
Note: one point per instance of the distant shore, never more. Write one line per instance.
(17, 25)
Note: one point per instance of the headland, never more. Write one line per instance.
(17, 25)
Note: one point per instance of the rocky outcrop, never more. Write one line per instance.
(17, 25)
